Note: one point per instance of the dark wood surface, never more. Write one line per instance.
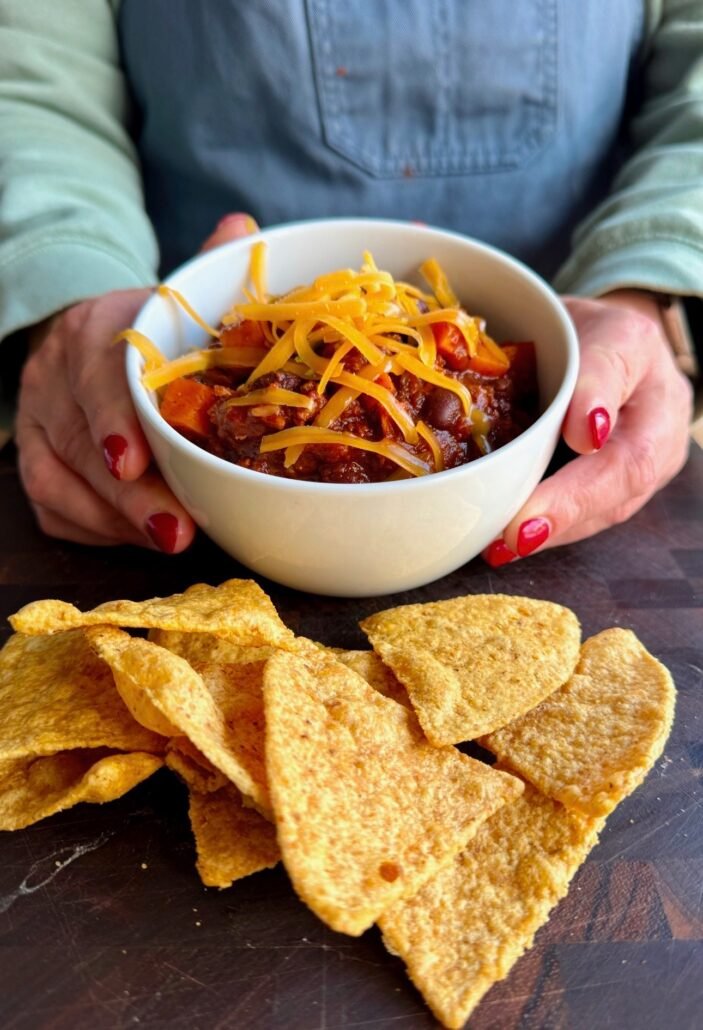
(104, 923)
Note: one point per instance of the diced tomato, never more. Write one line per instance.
(246, 334)
(451, 345)
(185, 405)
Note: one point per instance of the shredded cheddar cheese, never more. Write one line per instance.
(167, 291)
(316, 435)
(349, 332)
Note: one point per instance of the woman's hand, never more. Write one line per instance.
(628, 420)
(83, 459)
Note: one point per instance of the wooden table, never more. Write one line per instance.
(104, 923)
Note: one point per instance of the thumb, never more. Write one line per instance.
(231, 227)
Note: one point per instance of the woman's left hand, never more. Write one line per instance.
(628, 421)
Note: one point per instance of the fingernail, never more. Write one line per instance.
(499, 554)
(114, 450)
(238, 220)
(531, 535)
(599, 421)
(163, 530)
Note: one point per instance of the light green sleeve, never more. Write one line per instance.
(72, 219)
(649, 231)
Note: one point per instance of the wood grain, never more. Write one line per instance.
(104, 924)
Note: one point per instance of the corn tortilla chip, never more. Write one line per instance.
(32, 789)
(192, 766)
(238, 607)
(232, 841)
(207, 648)
(473, 664)
(195, 710)
(593, 741)
(57, 694)
(467, 926)
(366, 810)
(368, 665)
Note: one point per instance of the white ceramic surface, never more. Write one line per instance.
(366, 539)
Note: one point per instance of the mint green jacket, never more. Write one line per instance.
(72, 216)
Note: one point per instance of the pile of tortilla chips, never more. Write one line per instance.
(343, 764)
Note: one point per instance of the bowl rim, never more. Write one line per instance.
(150, 412)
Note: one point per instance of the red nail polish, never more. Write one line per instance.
(163, 530)
(531, 535)
(499, 554)
(114, 450)
(599, 421)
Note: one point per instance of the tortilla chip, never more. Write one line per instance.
(207, 648)
(473, 664)
(466, 928)
(56, 694)
(32, 789)
(195, 710)
(368, 665)
(192, 766)
(366, 809)
(238, 607)
(592, 742)
(232, 841)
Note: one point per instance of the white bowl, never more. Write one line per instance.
(364, 539)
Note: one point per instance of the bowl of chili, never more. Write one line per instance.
(352, 407)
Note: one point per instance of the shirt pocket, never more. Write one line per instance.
(435, 87)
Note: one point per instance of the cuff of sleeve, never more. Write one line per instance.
(661, 265)
(44, 279)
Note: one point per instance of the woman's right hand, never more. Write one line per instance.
(83, 458)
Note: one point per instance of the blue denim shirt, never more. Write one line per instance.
(497, 118)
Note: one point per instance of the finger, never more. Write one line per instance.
(65, 505)
(602, 488)
(611, 367)
(147, 503)
(98, 380)
(232, 227)
(56, 526)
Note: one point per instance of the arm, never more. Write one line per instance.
(649, 232)
(72, 221)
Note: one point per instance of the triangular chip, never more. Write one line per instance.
(465, 929)
(473, 664)
(192, 766)
(207, 648)
(366, 810)
(232, 841)
(32, 789)
(207, 714)
(594, 740)
(376, 674)
(238, 607)
(56, 694)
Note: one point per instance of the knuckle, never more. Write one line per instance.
(617, 367)
(33, 377)
(35, 479)
(45, 519)
(70, 443)
(642, 470)
(623, 512)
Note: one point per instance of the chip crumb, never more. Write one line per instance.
(144, 866)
